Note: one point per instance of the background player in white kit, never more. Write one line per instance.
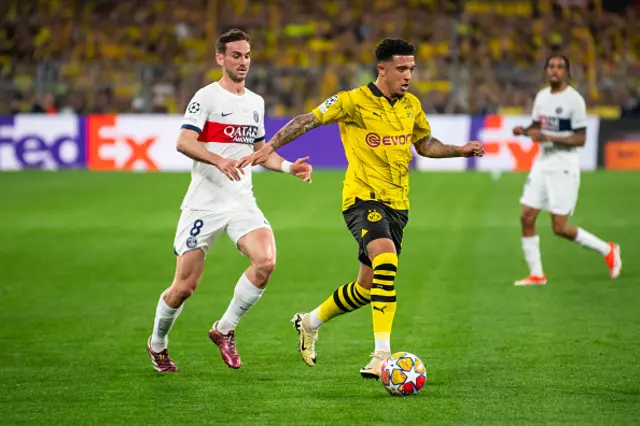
(560, 126)
(223, 123)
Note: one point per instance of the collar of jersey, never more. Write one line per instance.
(377, 92)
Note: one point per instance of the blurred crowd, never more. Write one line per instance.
(475, 57)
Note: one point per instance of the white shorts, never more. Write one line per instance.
(200, 229)
(552, 191)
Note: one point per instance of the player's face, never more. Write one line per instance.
(235, 61)
(397, 74)
(556, 71)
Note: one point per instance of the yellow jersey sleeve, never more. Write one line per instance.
(339, 107)
(421, 126)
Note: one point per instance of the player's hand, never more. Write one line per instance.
(472, 149)
(518, 131)
(230, 168)
(302, 170)
(257, 158)
(537, 136)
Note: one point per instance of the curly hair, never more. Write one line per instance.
(567, 64)
(390, 47)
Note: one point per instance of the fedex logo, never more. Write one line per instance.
(41, 142)
(503, 150)
(112, 147)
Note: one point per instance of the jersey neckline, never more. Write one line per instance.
(235, 95)
(378, 93)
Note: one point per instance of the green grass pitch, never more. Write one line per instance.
(84, 257)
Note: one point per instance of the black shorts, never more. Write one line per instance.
(370, 220)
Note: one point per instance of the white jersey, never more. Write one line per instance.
(229, 125)
(559, 114)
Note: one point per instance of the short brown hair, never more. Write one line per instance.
(231, 36)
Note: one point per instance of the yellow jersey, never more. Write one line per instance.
(377, 135)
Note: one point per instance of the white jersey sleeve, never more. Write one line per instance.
(578, 113)
(261, 132)
(195, 116)
(535, 112)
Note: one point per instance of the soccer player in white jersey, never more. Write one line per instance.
(223, 122)
(560, 126)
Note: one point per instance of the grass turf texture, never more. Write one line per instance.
(84, 257)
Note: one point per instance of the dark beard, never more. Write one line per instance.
(235, 78)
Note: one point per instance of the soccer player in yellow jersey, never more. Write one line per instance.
(378, 125)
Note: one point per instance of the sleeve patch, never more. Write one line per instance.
(193, 108)
(324, 107)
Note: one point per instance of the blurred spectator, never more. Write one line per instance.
(45, 104)
(477, 57)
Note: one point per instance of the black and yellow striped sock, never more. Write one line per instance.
(383, 298)
(346, 298)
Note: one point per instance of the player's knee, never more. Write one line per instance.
(181, 290)
(559, 228)
(264, 266)
(185, 292)
(527, 218)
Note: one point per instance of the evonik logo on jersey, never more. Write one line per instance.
(374, 140)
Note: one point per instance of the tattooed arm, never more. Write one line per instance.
(294, 129)
(434, 148)
(288, 133)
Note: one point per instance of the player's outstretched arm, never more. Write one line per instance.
(288, 133)
(433, 148)
(294, 129)
(300, 168)
(189, 145)
(578, 138)
(519, 130)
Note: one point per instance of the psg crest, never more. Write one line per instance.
(256, 116)
(192, 242)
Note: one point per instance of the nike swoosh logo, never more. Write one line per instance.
(302, 347)
(224, 115)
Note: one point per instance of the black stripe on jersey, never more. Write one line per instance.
(555, 124)
(192, 127)
(258, 140)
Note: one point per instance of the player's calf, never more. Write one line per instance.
(528, 218)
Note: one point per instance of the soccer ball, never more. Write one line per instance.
(403, 374)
